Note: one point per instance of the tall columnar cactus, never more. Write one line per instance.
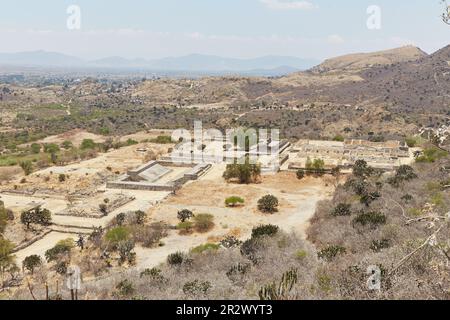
(280, 291)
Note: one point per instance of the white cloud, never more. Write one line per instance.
(335, 39)
(288, 5)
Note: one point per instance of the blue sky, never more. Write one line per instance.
(234, 28)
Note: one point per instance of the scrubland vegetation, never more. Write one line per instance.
(397, 223)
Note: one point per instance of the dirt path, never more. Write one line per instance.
(39, 247)
(298, 201)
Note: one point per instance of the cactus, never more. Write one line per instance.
(280, 291)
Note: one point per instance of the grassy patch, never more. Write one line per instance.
(431, 155)
(205, 247)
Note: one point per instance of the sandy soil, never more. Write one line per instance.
(298, 201)
(89, 174)
(8, 174)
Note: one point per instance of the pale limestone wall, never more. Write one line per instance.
(193, 174)
(383, 154)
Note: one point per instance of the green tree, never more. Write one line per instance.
(36, 216)
(42, 217)
(4, 217)
(6, 257)
(61, 249)
(268, 204)
(319, 166)
(35, 148)
(405, 173)
(184, 215)
(31, 262)
(361, 169)
(245, 173)
(116, 235)
(88, 144)
(51, 148)
(67, 144)
(26, 218)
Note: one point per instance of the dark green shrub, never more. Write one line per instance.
(140, 217)
(341, 210)
(120, 219)
(153, 273)
(31, 262)
(234, 201)
(175, 259)
(230, 242)
(361, 169)
(268, 204)
(87, 144)
(300, 174)
(126, 254)
(331, 252)
(372, 219)
(184, 215)
(265, 230)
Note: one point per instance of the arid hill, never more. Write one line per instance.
(360, 61)
(390, 94)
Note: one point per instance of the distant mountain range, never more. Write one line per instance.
(267, 65)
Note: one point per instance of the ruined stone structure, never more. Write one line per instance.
(384, 155)
(270, 154)
(148, 176)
